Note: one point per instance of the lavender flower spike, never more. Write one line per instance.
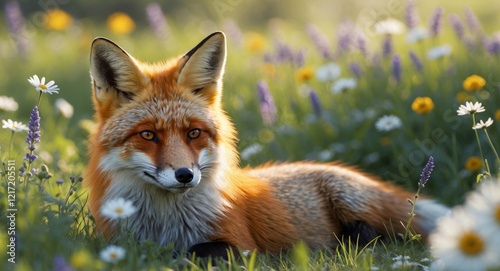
(396, 67)
(267, 106)
(316, 104)
(33, 134)
(387, 45)
(416, 61)
(157, 21)
(426, 172)
(411, 16)
(457, 25)
(436, 22)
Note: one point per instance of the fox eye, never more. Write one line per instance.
(148, 135)
(193, 134)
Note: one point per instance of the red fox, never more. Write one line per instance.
(164, 142)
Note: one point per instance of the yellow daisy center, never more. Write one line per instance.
(113, 255)
(471, 243)
(119, 210)
(44, 87)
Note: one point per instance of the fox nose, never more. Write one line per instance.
(184, 175)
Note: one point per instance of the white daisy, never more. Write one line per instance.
(328, 72)
(118, 209)
(112, 254)
(65, 108)
(251, 151)
(343, 84)
(388, 123)
(484, 205)
(483, 125)
(417, 34)
(389, 26)
(14, 126)
(8, 104)
(470, 108)
(40, 85)
(439, 51)
(458, 243)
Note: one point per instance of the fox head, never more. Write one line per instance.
(160, 124)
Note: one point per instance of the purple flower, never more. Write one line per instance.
(416, 61)
(493, 44)
(457, 25)
(436, 22)
(361, 44)
(284, 53)
(387, 45)
(233, 32)
(59, 181)
(396, 67)
(355, 69)
(412, 18)
(319, 40)
(17, 27)
(316, 105)
(60, 264)
(157, 20)
(426, 172)
(472, 21)
(33, 134)
(345, 37)
(267, 106)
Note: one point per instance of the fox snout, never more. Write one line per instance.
(184, 175)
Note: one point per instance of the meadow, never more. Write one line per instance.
(382, 97)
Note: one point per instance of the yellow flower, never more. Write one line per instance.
(304, 74)
(255, 42)
(474, 83)
(57, 19)
(120, 23)
(81, 258)
(473, 163)
(497, 115)
(422, 105)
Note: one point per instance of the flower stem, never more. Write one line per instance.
(492, 146)
(39, 99)
(10, 143)
(477, 137)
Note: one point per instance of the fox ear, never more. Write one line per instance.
(114, 73)
(204, 66)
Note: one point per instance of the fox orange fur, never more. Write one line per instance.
(164, 142)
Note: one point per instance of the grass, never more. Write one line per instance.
(53, 226)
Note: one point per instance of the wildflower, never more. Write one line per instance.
(422, 105)
(416, 34)
(344, 84)
(439, 51)
(492, 44)
(416, 61)
(250, 151)
(58, 19)
(411, 16)
(355, 69)
(474, 83)
(472, 21)
(483, 125)
(470, 108)
(255, 42)
(304, 74)
(60, 264)
(233, 32)
(118, 209)
(319, 40)
(462, 96)
(14, 126)
(345, 36)
(484, 205)
(65, 108)
(457, 25)
(473, 164)
(80, 259)
(361, 44)
(112, 254)
(316, 104)
(267, 106)
(460, 244)
(396, 67)
(328, 72)
(8, 104)
(120, 23)
(59, 181)
(17, 27)
(389, 27)
(436, 22)
(387, 45)
(40, 85)
(33, 134)
(157, 21)
(425, 175)
(388, 123)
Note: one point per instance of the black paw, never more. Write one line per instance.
(213, 249)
